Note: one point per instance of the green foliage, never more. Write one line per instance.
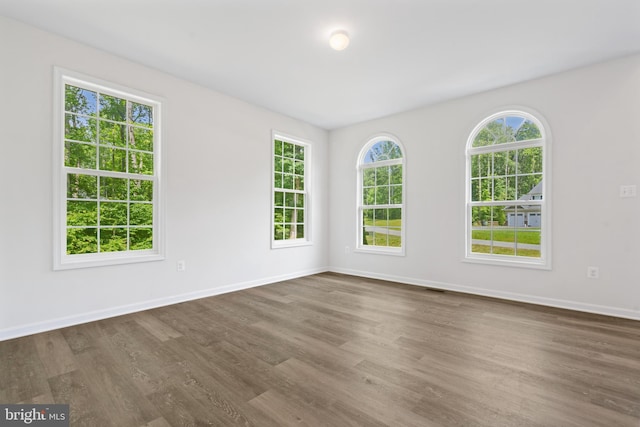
(288, 166)
(506, 129)
(504, 175)
(82, 240)
(382, 239)
(107, 133)
(113, 159)
(528, 235)
(494, 217)
(486, 215)
(113, 239)
(80, 101)
(382, 195)
(287, 150)
(141, 139)
(494, 175)
(82, 187)
(392, 224)
(115, 219)
(113, 188)
(288, 215)
(110, 129)
(289, 205)
(113, 134)
(486, 249)
(141, 190)
(382, 185)
(140, 238)
(113, 213)
(80, 155)
(82, 213)
(141, 115)
(389, 219)
(528, 131)
(78, 128)
(112, 108)
(141, 163)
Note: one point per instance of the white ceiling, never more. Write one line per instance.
(403, 53)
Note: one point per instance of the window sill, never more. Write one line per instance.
(380, 251)
(280, 244)
(531, 263)
(70, 262)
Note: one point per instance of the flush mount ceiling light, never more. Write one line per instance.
(339, 40)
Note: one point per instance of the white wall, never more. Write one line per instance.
(593, 114)
(218, 152)
(218, 148)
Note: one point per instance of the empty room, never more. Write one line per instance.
(337, 213)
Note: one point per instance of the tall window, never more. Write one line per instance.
(507, 215)
(381, 196)
(290, 192)
(108, 161)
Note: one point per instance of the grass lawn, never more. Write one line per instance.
(393, 224)
(484, 249)
(381, 240)
(525, 235)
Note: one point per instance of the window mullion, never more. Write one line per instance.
(111, 174)
(506, 146)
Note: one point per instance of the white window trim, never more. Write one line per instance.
(307, 239)
(370, 249)
(544, 262)
(62, 261)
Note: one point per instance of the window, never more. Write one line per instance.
(290, 192)
(507, 213)
(108, 169)
(381, 197)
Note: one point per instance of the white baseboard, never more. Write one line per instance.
(550, 302)
(63, 322)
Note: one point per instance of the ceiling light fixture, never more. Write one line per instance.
(339, 40)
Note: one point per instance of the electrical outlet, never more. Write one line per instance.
(628, 191)
(593, 272)
(181, 265)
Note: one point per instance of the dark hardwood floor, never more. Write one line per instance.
(335, 350)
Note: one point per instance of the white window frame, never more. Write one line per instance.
(306, 240)
(62, 261)
(544, 262)
(360, 167)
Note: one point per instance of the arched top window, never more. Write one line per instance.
(504, 129)
(507, 214)
(381, 149)
(381, 171)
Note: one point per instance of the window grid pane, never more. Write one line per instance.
(506, 174)
(289, 191)
(381, 202)
(111, 134)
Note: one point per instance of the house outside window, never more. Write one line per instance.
(507, 218)
(381, 197)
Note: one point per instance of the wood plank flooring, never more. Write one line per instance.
(335, 350)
